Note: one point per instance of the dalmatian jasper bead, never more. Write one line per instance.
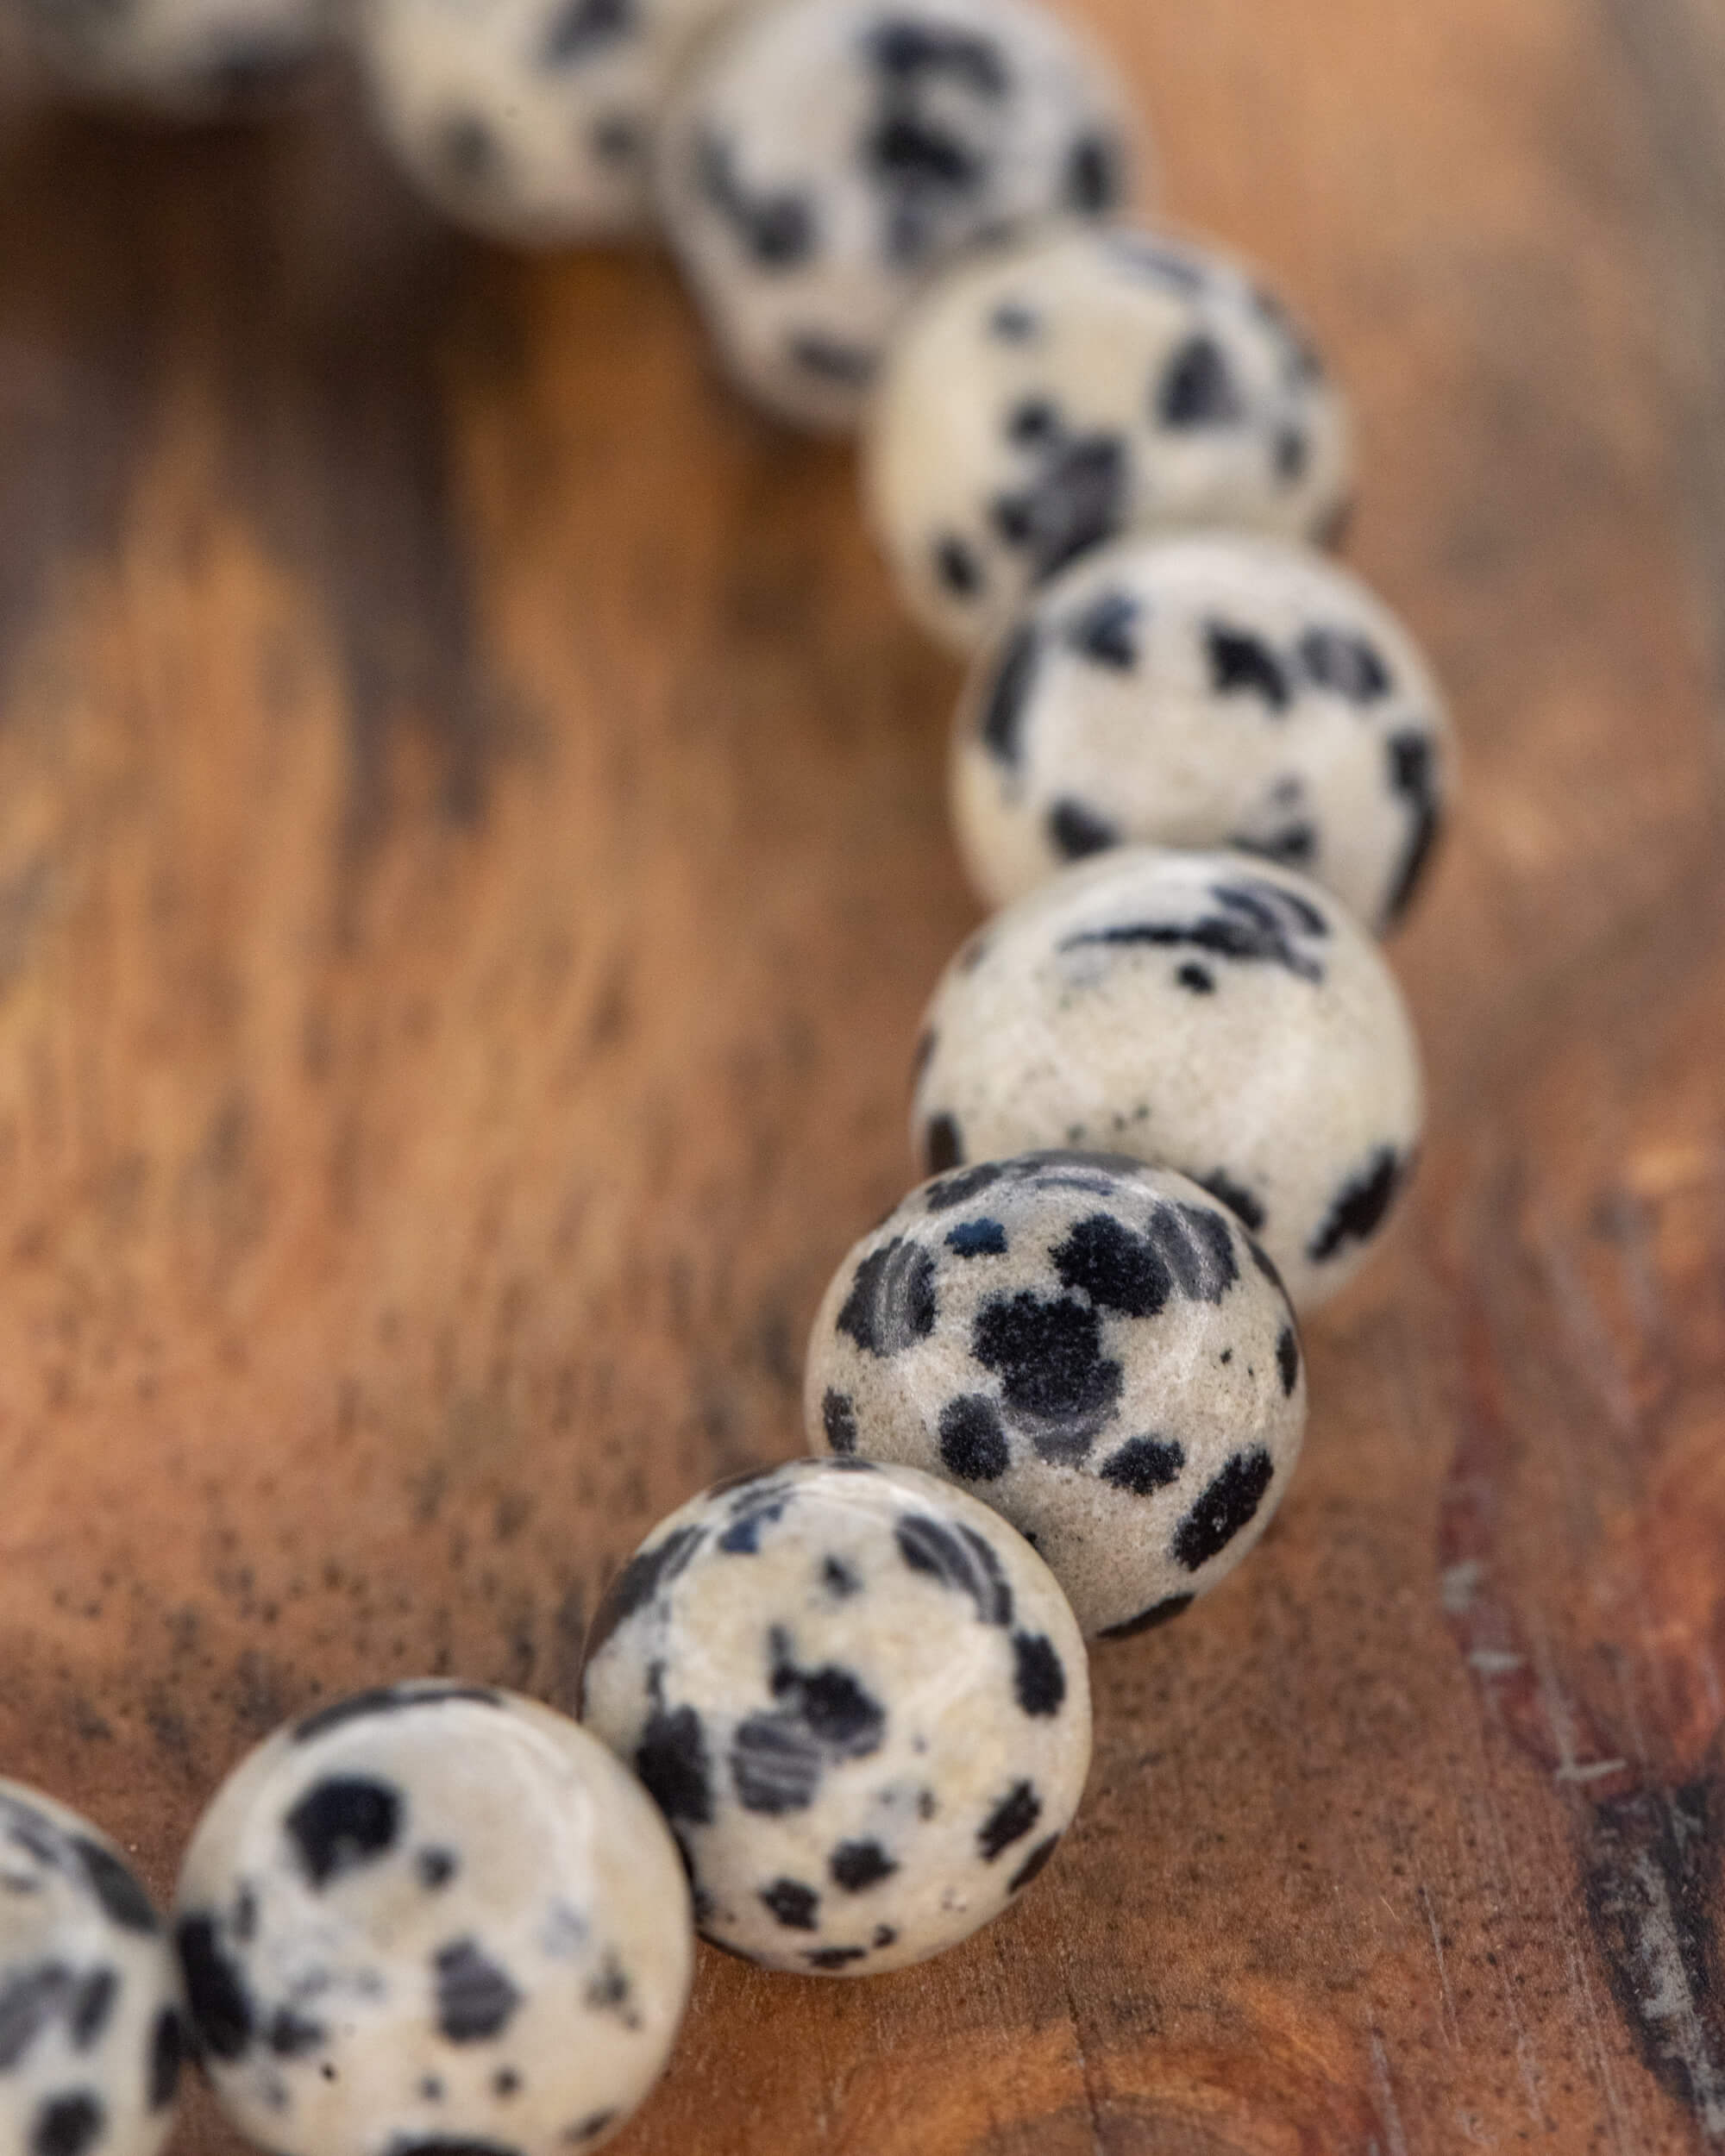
(531, 120)
(1097, 1347)
(90, 2035)
(429, 1918)
(1203, 1012)
(828, 155)
(860, 1700)
(187, 59)
(1050, 395)
(1205, 690)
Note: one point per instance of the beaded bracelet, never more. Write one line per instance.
(836, 1715)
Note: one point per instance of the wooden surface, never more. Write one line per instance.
(472, 857)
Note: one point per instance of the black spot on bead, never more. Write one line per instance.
(1293, 844)
(977, 1239)
(1229, 1503)
(973, 1444)
(857, 1865)
(776, 231)
(610, 1991)
(30, 1999)
(1011, 1820)
(1039, 1673)
(1357, 1212)
(671, 1761)
(1255, 922)
(1197, 388)
(1236, 1197)
(1242, 664)
(1035, 1863)
(221, 2012)
(1032, 421)
(743, 1536)
(168, 2052)
(1076, 831)
(835, 1956)
(589, 2128)
(839, 1421)
(838, 1578)
(792, 1904)
(1338, 659)
(891, 1305)
(1413, 779)
(639, 1580)
(450, 2145)
(1199, 1248)
(1117, 1268)
(390, 1699)
(342, 1823)
(1105, 631)
(959, 1559)
(828, 360)
(505, 2082)
(1288, 1360)
(1291, 454)
(1144, 1465)
(291, 2035)
(1077, 499)
(1054, 1379)
(1197, 981)
(1158, 262)
(1093, 174)
(943, 1143)
(957, 567)
(1161, 1613)
(475, 1998)
(123, 1901)
(68, 2125)
(884, 1936)
(833, 1706)
(436, 1868)
(1002, 727)
(1012, 322)
(775, 1766)
(959, 1189)
(92, 2006)
(579, 28)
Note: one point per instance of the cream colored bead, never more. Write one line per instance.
(861, 1699)
(1203, 1012)
(826, 157)
(1046, 396)
(1096, 1349)
(1218, 689)
(435, 1915)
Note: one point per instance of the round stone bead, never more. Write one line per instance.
(1097, 1347)
(1205, 1012)
(91, 2036)
(532, 121)
(827, 155)
(186, 58)
(861, 1699)
(432, 1917)
(1048, 395)
(1205, 690)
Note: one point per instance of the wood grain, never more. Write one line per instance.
(472, 858)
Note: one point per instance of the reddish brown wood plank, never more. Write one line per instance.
(471, 860)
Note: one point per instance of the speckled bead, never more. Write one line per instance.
(185, 59)
(861, 1700)
(1050, 394)
(827, 155)
(1205, 690)
(531, 120)
(429, 1918)
(90, 2035)
(1204, 1011)
(1096, 1349)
